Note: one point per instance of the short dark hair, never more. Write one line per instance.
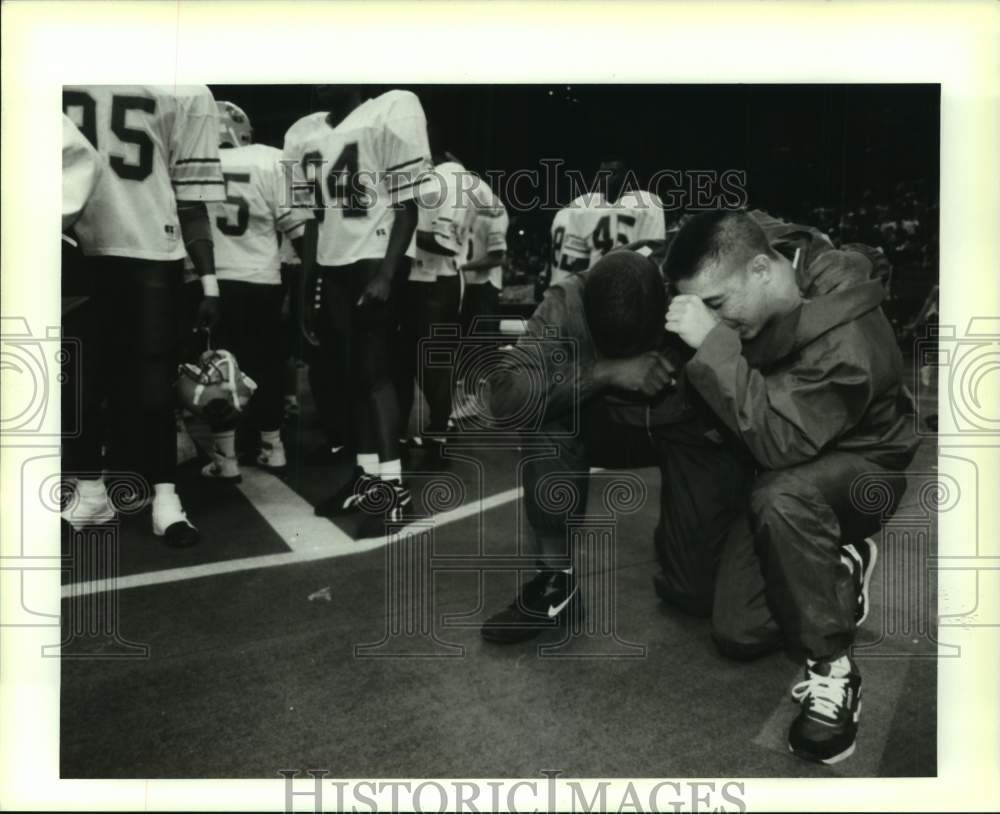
(709, 236)
(624, 300)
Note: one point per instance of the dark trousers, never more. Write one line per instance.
(128, 346)
(357, 343)
(251, 330)
(425, 306)
(480, 300)
(332, 403)
(704, 484)
(291, 286)
(781, 580)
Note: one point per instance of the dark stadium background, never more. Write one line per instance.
(852, 159)
(797, 142)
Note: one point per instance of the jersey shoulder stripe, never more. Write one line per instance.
(400, 166)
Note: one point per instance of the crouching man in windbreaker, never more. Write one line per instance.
(812, 389)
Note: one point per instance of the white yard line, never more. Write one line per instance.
(309, 537)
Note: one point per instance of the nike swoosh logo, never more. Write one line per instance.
(555, 609)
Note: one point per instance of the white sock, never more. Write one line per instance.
(225, 443)
(368, 461)
(163, 490)
(391, 470)
(270, 438)
(90, 489)
(167, 508)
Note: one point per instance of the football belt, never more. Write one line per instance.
(215, 387)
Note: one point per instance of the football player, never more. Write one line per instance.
(245, 231)
(615, 214)
(364, 162)
(569, 251)
(448, 206)
(486, 254)
(161, 148)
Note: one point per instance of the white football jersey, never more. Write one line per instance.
(376, 156)
(82, 167)
(488, 234)
(245, 228)
(161, 148)
(637, 215)
(569, 242)
(447, 205)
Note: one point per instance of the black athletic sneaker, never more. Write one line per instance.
(348, 498)
(386, 503)
(543, 603)
(827, 725)
(861, 557)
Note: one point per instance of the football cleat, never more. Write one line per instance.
(171, 523)
(830, 700)
(348, 498)
(234, 126)
(386, 503)
(546, 601)
(222, 468)
(861, 558)
(272, 458)
(215, 388)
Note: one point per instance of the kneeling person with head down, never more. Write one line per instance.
(611, 400)
(812, 390)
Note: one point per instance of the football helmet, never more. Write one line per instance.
(215, 387)
(234, 126)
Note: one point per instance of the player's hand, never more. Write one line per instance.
(690, 319)
(647, 374)
(378, 289)
(209, 312)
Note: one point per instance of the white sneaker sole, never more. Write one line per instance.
(830, 761)
(866, 580)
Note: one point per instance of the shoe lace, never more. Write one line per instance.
(825, 695)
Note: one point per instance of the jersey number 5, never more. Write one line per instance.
(234, 198)
(120, 106)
